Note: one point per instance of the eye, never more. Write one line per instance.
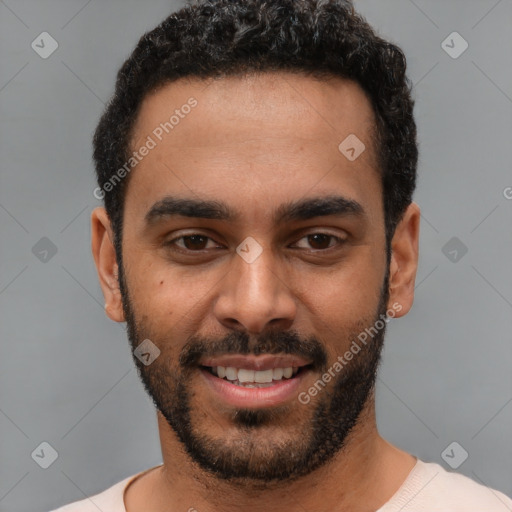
(320, 241)
(194, 242)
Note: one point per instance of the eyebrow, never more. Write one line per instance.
(300, 210)
(174, 206)
(318, 207)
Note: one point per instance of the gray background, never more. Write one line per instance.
(67, 377)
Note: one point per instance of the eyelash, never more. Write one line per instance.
(171, 243)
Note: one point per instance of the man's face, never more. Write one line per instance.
(284, 268)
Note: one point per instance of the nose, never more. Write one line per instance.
(253, 297)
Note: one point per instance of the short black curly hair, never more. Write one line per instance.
(216, 38)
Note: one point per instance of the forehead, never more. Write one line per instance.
(239, 136)
(300, 106)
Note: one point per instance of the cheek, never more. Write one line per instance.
(347, 305)
(171, 299)
(350, 292)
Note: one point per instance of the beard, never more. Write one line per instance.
(260, 447)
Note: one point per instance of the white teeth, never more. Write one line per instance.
(246, 375)
(260, 377)
(264, 376)
(278, 373)
(231, 373)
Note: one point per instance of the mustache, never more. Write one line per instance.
(273, 342)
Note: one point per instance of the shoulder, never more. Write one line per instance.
(433, 488)
(110, 499)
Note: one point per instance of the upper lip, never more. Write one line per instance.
(258, 363)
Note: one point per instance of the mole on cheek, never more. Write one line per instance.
(161, 282)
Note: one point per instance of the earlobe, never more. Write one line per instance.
(106, 264)
(404, 260)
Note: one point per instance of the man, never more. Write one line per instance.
(257, 164)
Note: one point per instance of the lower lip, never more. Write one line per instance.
(238, 396)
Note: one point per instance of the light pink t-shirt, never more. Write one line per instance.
(428, 488)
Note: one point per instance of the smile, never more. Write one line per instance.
(254, 381)
(253, 378)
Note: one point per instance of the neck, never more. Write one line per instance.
(361, 477)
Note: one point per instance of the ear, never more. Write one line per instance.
(404, 260)
(106, 264)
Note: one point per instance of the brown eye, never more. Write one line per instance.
(194, 242)
(321, 241)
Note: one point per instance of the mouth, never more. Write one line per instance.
(254, 378)
(259, 381)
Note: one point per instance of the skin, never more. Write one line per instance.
(255, 143)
